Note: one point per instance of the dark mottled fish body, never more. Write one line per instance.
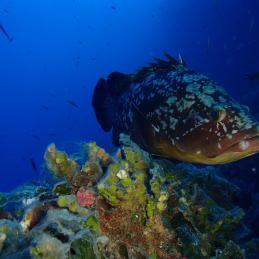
(174, 112)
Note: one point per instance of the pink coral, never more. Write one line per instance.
(85, 198)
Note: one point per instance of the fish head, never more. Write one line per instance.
(215, 129)
(225, 138)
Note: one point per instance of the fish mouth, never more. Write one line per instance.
(246, 143)
(242, 148)
(250, 144)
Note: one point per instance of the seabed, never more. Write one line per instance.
(125, 205)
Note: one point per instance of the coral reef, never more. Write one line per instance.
(126, 206)
(59, 163)
(70, 202)
(85, 198)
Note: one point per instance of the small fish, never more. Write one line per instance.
(174, 112)
(10, 39)
(73, 104)
(33, 165)
(252, 76)
(45, 107)
(113, 7)
(6, 11)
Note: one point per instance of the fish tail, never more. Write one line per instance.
(103, 105)
(106, 96)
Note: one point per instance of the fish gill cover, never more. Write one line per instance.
(75, 199)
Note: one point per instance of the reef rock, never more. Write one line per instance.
(127, 206)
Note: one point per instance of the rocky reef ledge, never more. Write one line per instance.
(124, 206)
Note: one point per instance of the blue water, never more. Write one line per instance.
(62, 47)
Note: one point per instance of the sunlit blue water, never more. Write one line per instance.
(62, 47)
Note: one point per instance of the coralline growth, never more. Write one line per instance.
(124, 206)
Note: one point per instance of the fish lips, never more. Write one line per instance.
(244, 144)
(250, 144)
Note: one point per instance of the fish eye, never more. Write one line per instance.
(218, 115)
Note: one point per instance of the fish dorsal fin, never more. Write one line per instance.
(117, 83)
(181, 60)
(159, 65)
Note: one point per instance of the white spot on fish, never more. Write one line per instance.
(223, 126)
(171, 100)
(157, 129)
(248, 126)
(184, 104)
(229, 136)
(244, 144)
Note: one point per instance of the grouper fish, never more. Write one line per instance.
(174, 112)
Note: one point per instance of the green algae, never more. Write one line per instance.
(232, 250)
(91, 223)
(70, 202)
(62, 188)
(145, 209)
(47, 247)
(59, 163)
(151, 206)
(3, 200)
(124, 185)
(123, 251)
(82, 248)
